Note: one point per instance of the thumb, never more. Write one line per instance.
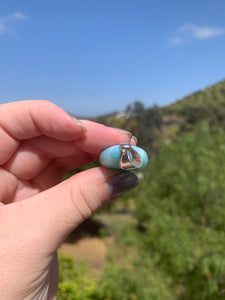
(50, 216)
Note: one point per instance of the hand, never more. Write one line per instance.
(39, 142)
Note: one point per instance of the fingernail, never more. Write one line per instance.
(82, 125)
(134, 139)
(123, 131)
(122, 183)
(127, 132)
(79, 123)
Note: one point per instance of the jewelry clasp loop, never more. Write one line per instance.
(130, 159)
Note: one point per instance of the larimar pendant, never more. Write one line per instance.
(124, 156)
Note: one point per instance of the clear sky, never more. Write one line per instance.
(96, 56)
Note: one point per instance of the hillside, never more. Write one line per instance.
(207, 104)
(213, 96)
(166, 238)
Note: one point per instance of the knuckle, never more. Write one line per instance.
(80, 201)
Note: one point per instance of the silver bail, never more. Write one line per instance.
(130, 159)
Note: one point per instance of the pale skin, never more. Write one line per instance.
(39, 142)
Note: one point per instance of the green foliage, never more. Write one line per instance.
(117, 282)
(181, 207)
(189, 179)
(172, 246)
(149, 121)
(214, 115)
(192, 256)
(201, 104)
(142, 122)
(134, 283)
(74, 283)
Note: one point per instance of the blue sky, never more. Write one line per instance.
(93, 57)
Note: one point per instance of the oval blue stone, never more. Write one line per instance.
(110, 157)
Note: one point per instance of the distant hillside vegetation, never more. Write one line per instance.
(211, 97)
(146, 123)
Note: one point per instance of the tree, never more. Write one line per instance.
(148, 121)
(180, 206)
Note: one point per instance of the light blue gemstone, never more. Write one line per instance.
(110, 157)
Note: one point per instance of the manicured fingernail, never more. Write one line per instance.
(127, 132)
(134, 139)
(79, 123)
(82, 125)
(123, 131)
(122, 183)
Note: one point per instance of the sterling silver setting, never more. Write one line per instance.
(130, 159)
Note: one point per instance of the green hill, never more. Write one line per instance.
(213, 97)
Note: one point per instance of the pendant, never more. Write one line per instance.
(124, 156)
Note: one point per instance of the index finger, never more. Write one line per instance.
(27, 119)
(93, 142)
(98, 137)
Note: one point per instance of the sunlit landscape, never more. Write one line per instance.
(165, 239)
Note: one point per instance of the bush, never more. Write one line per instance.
(188, 178)
(181, 207)
(74, 283)
(177, 235)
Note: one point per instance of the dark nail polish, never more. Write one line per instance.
(122, 183)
